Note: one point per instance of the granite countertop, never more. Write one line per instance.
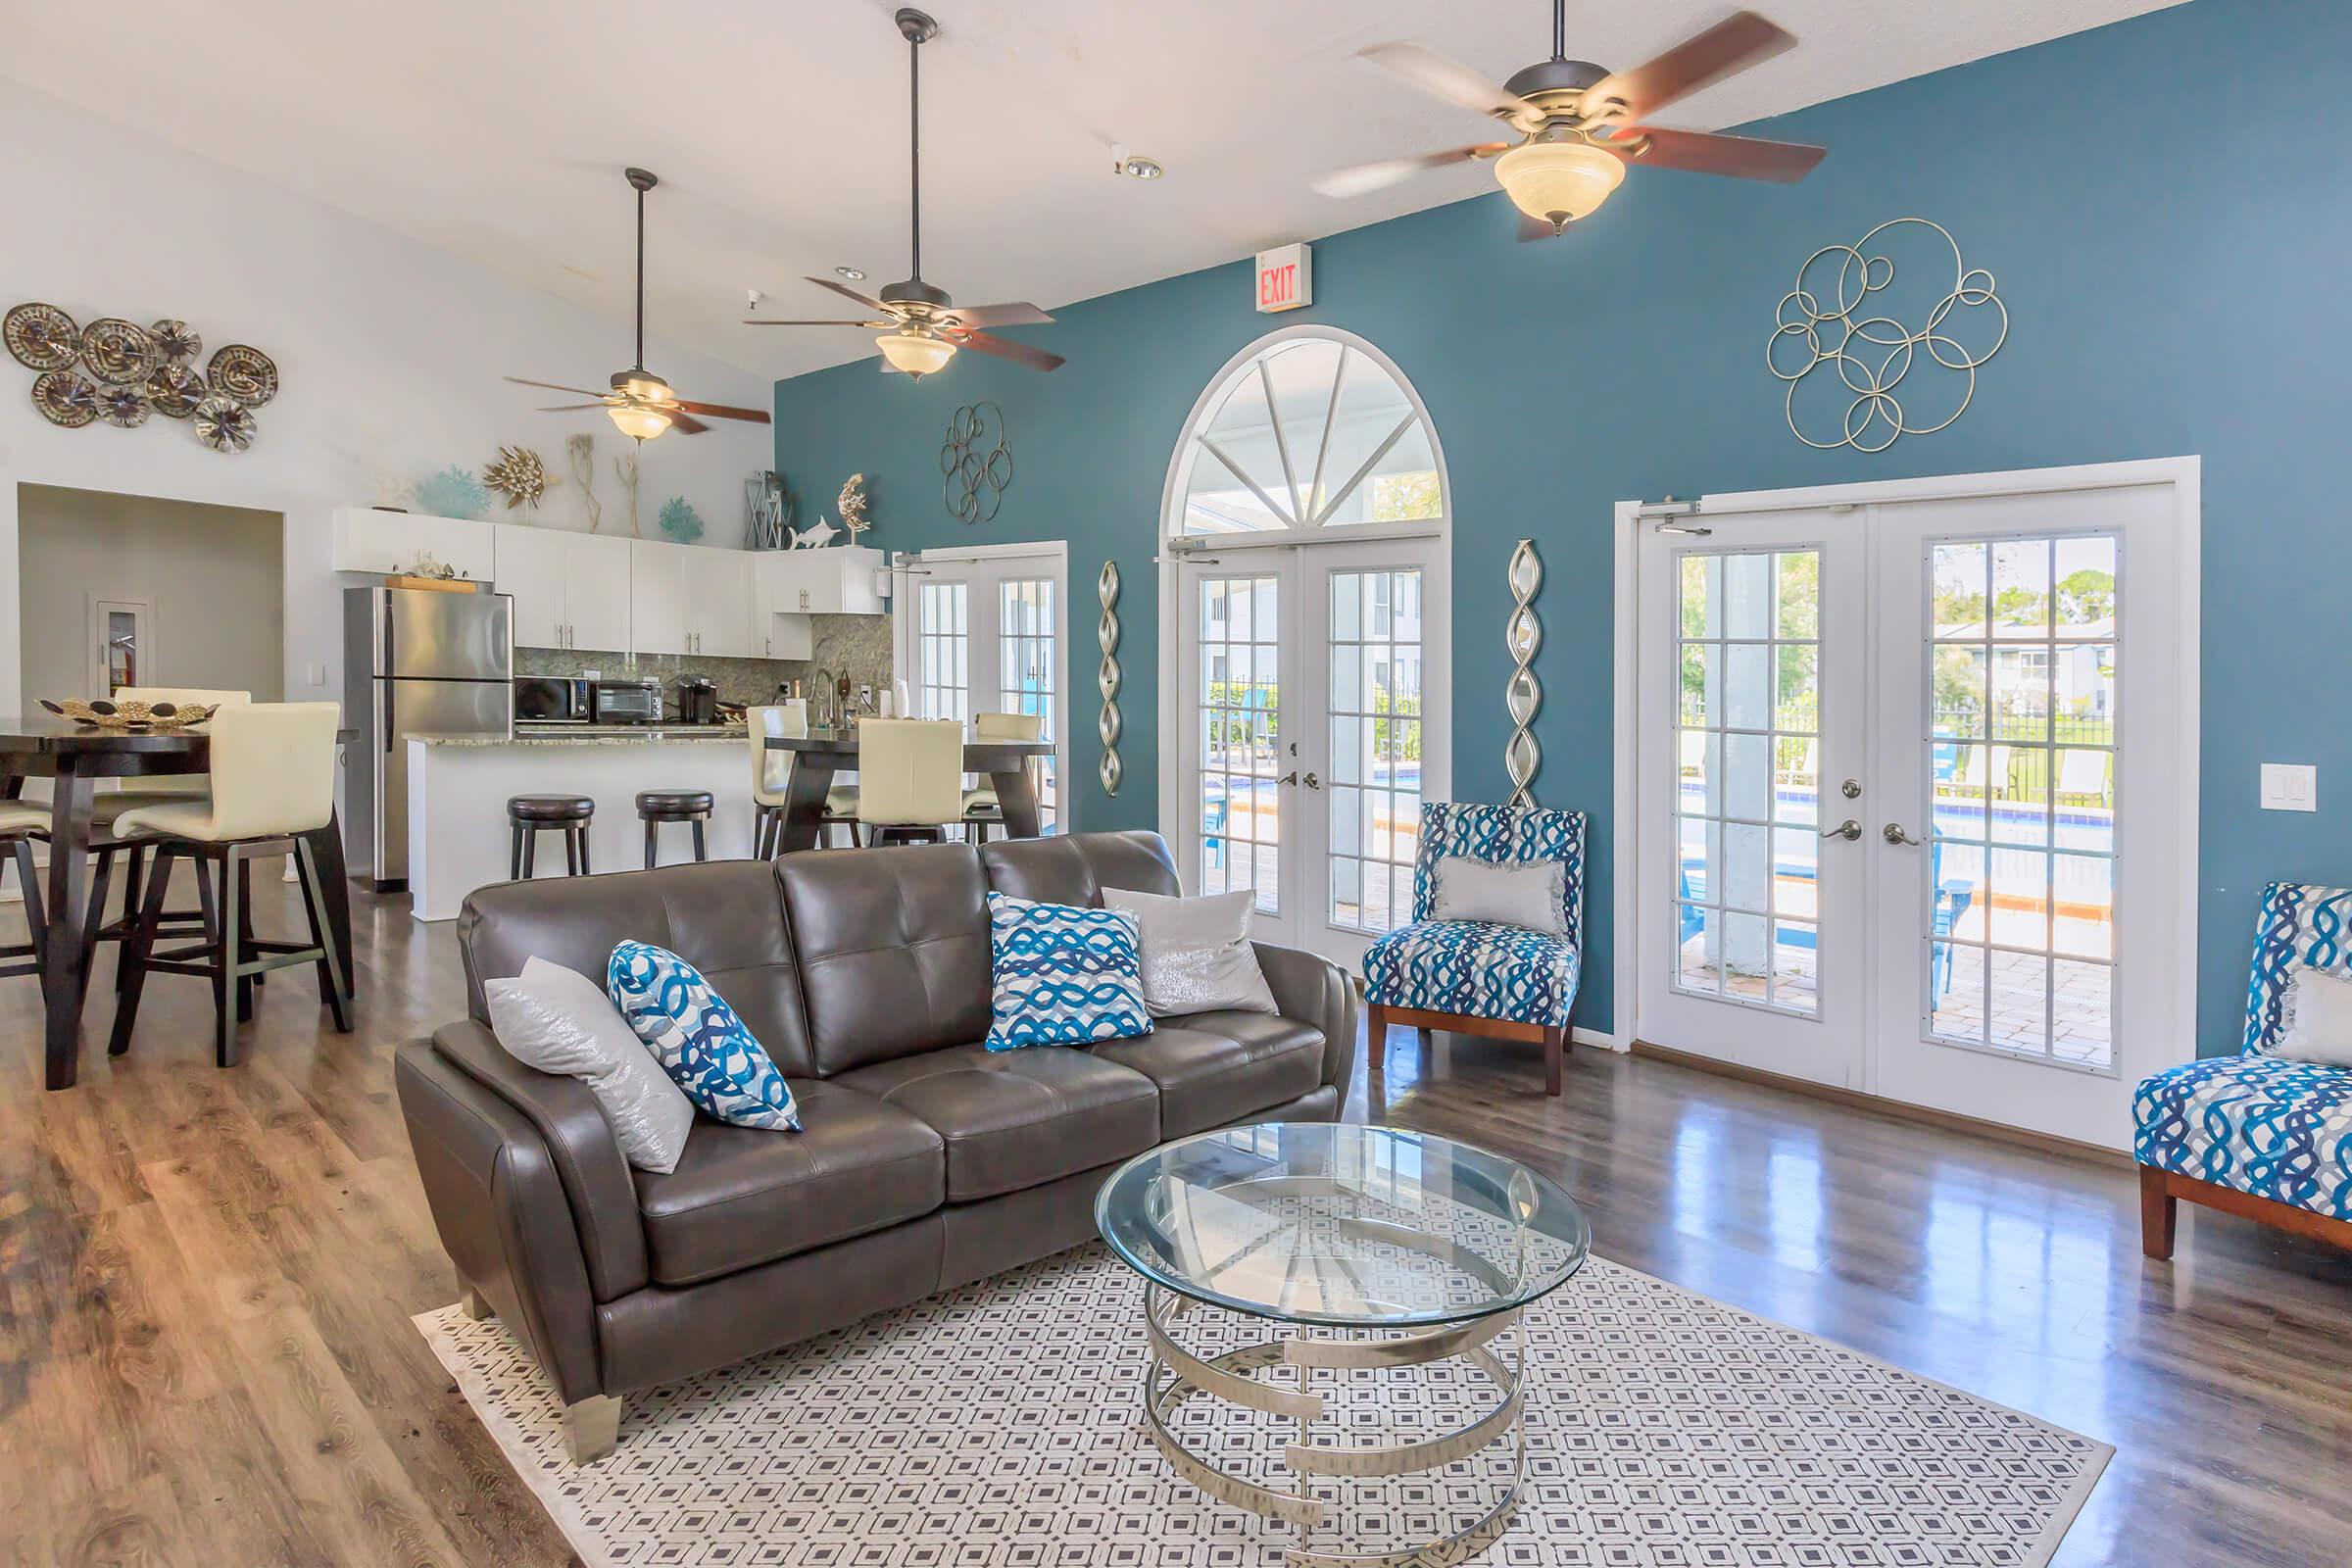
(597, 735)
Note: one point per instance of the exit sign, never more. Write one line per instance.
(1286, 277)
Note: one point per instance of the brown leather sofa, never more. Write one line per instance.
(925, 1162)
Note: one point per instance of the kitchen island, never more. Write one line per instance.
(459, 786)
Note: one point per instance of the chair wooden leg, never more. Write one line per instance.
(207, 901)
(134, 888)
(28, 881)
(225, 948)
(701, 851)
(101, 878)
(2159, 1213)
(137, 947)
(334, 964)
(1376, 1037)
(245, 982)
(1555, 1049)
(591, 1427)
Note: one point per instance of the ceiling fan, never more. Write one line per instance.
(1581, 126)
(921, 326)
(641, 403)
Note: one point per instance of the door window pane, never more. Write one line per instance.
(1376, 661)
(943, 635)
(1029, 661)
(1240, 809)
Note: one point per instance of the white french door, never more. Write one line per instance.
(1306, 746)
(984, 631)
(1912, 812)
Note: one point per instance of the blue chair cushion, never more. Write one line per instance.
(2263, 1125)
(1474, 967)
(2301, 926)
(1066, 974)
(698, 1039)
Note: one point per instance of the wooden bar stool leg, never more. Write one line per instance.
(571, 853)
(333, 963)
(530, 851)
(514, 850)
(701, 851)
(137, 949)
(586, 870)
(225, 948)
(652, 842)
(245, 982)
(134, 887)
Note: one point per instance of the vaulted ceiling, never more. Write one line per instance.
(498, 131)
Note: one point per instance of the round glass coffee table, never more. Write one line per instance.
(1373, 1248)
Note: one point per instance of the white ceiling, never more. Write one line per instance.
(498, 130)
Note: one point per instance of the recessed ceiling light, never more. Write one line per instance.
(853, 274)
(1141, 168)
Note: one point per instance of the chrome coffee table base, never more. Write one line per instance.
(1175, 1374)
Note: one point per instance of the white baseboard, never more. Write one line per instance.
(1595, 1037)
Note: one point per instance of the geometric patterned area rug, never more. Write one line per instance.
(999, 1425)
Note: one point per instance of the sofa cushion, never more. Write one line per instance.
(2275, 1129)
(696, 1038)
(1075, 868)
(741, 1197)
(894, 949)
(2301, 927)
(1066, 974)
(1014, 1118)
(1217, 1067)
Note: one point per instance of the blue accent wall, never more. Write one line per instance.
(2165, 204)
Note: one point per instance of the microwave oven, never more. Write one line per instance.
(551, 699)
(625, 702)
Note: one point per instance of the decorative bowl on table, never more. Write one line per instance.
(111, 715)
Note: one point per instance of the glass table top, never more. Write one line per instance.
(1342, 1226)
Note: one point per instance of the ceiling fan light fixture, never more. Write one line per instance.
(915, 351)
(1560, 181)
(637, 421)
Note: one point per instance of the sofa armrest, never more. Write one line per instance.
(1314, 990)
(595, 1175)
(502, 1214)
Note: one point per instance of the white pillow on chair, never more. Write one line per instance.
(2319, 1019)
(1528, 894)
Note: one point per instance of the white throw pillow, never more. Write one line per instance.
(1527, 894)
(2319, 1024)
(559, 1021)
(1196, 953)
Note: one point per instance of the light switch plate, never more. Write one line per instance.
(2290, 787)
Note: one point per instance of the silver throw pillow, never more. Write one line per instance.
(1527, 894)
(1196, 953)
(559, 1021)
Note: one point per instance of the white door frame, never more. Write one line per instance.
(2182, 474)
(1053, 556)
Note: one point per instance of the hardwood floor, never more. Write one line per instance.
(206, 1279)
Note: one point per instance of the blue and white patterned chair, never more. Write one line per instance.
(1474, 976)
(2257, 1135)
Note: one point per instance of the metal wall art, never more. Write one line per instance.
(1522, 695)
(1106, 679)
(520, 475)
(977, 460)
(767, 512)
(1846, 324)
(851, 504)
(118, 371)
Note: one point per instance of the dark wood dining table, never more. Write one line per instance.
(821, 752)
(73, 756)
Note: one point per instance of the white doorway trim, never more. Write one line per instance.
(2184, 475)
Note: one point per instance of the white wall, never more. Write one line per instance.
(390, 355)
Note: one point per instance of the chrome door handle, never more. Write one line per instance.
(1894, 834)
(1313, 783)
(1291, 777)
(1848, 830)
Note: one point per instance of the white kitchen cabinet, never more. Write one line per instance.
(389, 543)
(570, 590)
(719, 605)
(819, 582)
(657, 597)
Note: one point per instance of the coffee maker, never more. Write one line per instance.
(698, 699)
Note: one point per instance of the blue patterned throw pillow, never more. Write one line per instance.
(696, 1038)
(1064, 975)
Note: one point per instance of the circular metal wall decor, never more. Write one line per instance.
(245, 373)
(174, 342)
(117, 350)
(65, 398)
(174, 391)
(977, 460)
(225, 424)
(1522, 695)
(41, 337)
(124, 408)
(1836, 321)
(1106, 679)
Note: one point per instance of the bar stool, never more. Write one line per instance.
(912, 777)
(656, 807)
(980, 805)
(273, 782)
(20, 825)
(527, 814)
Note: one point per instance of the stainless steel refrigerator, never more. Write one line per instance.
(417, 662)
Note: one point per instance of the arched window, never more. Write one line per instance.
(1309, 429)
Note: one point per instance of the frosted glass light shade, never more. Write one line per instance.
(1558, 181)
(638, 423)
(917, 354)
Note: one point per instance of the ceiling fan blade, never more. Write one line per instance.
(566, 408)
(1450, 82)
(1740, 157)
(1004, 347)
(686, 424)
(722, 411)
(769, 321)
(555, 386)
(873, 305)
(1014, 313)
(1364, 178)
(1739, 41)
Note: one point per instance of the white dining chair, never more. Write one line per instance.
(981, 808)
(910, 773)
(273, 782)
(109, 806)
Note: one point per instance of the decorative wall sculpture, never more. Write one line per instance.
(520, 475)
(580, 451)
(1106, 679)
(767, 512)
(117, 373)
(977, 460)
(1854, 333)
(851, 503)
(1522, 695)
(679, 520)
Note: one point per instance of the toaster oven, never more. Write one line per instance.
(625, 702)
